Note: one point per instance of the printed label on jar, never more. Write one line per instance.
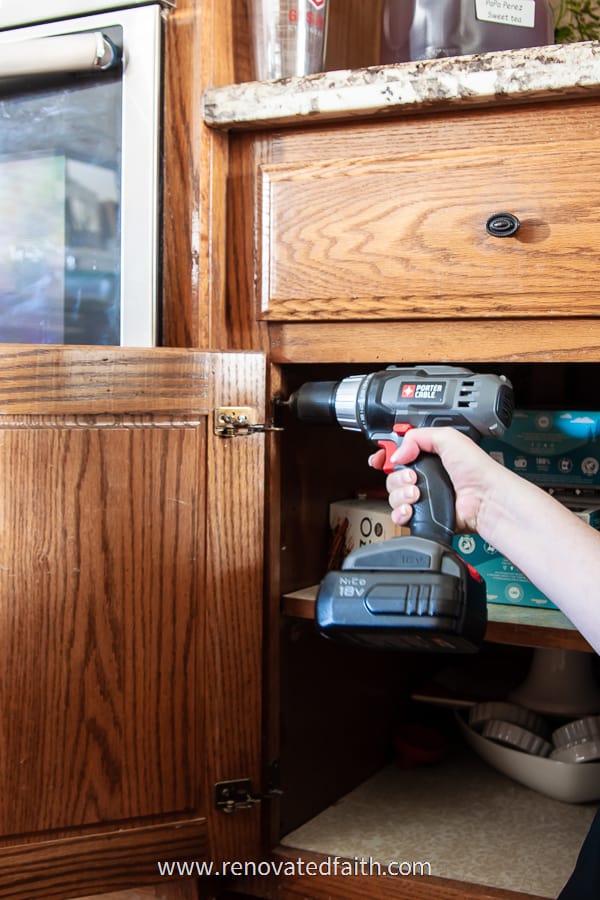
(312, 18)
(519, 13)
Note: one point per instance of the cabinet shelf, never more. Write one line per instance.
(396, 815)
(523, 626)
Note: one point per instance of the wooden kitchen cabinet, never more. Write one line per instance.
(146, 656)
(360, 243)
(131, 613)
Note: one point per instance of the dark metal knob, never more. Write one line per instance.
(502, 225)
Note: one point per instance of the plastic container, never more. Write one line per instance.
(429, 29)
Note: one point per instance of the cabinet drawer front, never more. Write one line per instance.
(405, 237)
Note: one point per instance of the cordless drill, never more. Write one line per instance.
(411, 592)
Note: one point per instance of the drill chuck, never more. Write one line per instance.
(314, 402)
(329, 402)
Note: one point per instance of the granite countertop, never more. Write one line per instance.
(511, 76)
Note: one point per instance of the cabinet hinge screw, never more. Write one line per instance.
(239, 421)
(231, 796)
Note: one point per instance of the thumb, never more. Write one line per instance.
(413, 443)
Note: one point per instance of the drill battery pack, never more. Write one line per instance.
(407, 593)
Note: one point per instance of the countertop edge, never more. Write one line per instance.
(510, 76)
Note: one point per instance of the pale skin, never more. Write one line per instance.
(557, 551)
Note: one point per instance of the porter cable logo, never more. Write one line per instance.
(431, 390)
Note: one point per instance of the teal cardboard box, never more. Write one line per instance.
(553, 448)
(558, 450)
(504, 582)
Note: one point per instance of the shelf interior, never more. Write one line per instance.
(521, 625)
(460, 816)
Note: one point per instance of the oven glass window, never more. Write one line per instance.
(60, 209)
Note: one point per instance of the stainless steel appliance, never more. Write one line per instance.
(79, 137)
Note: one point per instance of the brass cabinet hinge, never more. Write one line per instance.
(238, 421)
(231, 796)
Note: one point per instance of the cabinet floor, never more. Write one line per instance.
(464, 819)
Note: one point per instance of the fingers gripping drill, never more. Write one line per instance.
(412, 592)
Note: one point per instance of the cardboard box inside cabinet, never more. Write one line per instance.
(504, 582)
(590, 516)
(356, 522)
(559, 450)
(551, 447)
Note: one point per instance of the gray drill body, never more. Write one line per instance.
(479, 404)
(410, 592)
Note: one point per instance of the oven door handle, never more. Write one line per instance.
(89, 51)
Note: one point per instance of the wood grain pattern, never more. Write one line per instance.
(531, 635)
(199, 50)
(131, 628)
(184, 314)
(100, 638)
(201, 311)
(182, 891)
(243, 329)
(100, 380)
(356, 887)
(444, 340)
(560, 129)
(69, 867)
(405, 237)
(272, 633)
(547, 124)
(233, 609)
(353, 34)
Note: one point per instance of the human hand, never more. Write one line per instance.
(473, 473)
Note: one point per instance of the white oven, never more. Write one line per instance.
(79, 138)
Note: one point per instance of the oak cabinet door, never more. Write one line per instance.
(130, 598)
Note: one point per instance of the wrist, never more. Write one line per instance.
(498, 502)
(506, 509)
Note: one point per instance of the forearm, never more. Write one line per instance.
(558, 552)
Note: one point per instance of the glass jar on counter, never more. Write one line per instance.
(429, 29)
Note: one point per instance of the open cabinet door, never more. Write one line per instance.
(131, 568)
